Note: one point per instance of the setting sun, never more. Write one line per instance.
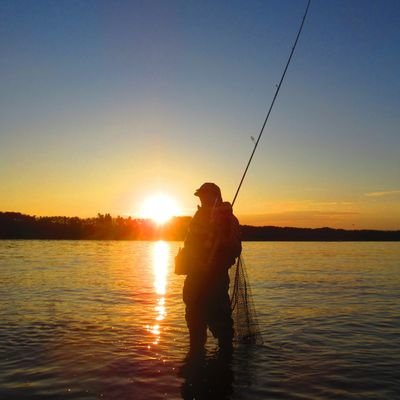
(160, 208)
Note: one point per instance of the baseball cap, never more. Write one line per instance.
(208, 187)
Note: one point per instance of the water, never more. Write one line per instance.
(104, 320)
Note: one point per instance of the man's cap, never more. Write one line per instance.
(208, 187)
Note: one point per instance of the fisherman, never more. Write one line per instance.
(211, 246)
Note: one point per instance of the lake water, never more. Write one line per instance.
(105, 320)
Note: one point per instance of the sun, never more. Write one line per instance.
(159, 207)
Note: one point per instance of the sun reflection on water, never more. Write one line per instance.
(160, 270)
(160, 266)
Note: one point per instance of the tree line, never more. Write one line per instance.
(15, 225)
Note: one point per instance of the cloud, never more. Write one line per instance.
(381, 194)
(303, 205)
(309, 218)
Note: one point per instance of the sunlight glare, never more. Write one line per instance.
(160, 208)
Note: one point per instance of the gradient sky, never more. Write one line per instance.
(104, 103)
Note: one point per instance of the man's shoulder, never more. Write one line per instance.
(225, 209)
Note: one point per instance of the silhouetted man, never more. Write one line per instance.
(210, 249)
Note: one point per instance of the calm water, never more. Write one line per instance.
(104, 320)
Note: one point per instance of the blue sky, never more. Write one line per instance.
(104, 103)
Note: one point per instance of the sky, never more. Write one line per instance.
(103, 104)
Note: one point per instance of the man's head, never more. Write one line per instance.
(209, 194)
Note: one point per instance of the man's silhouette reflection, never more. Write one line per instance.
(207, 379)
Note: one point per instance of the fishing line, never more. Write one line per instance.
(246, 327)
(272, 103)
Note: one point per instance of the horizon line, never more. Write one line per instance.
(127, 216)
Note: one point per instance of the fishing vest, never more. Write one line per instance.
(212, 239)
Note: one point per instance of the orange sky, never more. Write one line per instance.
(103, 106)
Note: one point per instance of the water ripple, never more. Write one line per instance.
(104, 320)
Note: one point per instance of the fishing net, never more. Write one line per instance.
(244, 314)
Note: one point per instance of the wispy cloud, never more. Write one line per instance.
(381, 194)
(310, 219)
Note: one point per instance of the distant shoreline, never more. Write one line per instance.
(286, 234)
(15, 225)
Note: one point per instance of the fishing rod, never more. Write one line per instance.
(272, 103)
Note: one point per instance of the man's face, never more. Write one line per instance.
(208, 199)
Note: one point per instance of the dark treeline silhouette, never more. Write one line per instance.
(273, 233)
(14, 225)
